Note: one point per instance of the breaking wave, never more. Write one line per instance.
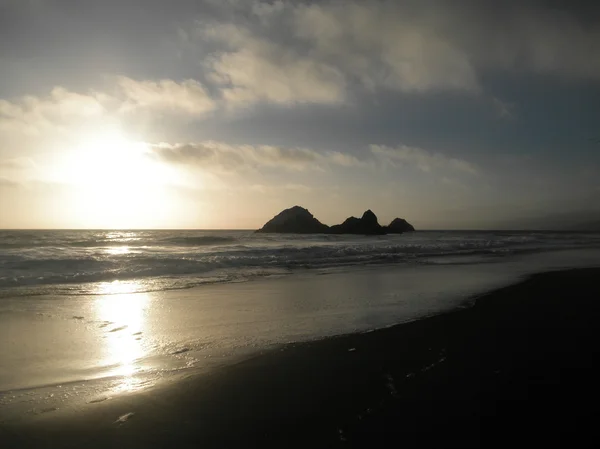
(34, 261)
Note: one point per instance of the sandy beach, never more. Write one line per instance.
(517, 366)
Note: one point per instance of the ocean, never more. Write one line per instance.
(112, 262)
(88, 315)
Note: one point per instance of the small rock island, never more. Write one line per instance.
(298, 220)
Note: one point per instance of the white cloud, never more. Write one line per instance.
(255, 69)
(65, 110)
(226, 158)
(346, 160)
(34, 115)
(424, 160)
(36, 124)
(167, 96)
(17, 163)
(33, 125)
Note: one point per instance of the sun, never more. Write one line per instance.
(110, 160)
(116, 183)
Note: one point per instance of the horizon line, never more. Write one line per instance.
(255, 229)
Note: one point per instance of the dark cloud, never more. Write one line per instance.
(324, 49)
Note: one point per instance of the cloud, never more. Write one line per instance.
(526, 39)
(223, 158)
(226, 158)
(503, 109)
(439, 44)
(424, 160)
(33, 115)
(17, 163)
(298, 188)
(32, 124)
(255, 69)
(346, 160)
(5, 182)
(288, 52)
(276, 189)
(164, 96)
(295, 52)
(62, 107)
(386, 44)
(324, 48)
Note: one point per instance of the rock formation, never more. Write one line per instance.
(296, 220)
(366, 225)
(399, 226)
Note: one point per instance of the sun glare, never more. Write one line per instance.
(111, 161)
(118, 184)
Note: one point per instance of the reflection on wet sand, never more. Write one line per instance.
(123, 347)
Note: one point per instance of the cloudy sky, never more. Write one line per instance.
(220, 113)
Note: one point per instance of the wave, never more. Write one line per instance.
(199, 241)
(21, 241)
(163, 259)
(89, 270)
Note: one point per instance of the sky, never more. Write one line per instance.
(221, 113)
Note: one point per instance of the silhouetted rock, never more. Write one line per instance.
(398, 226)
(295, 220)
(366, 225)
(346, 227)
(370, 219)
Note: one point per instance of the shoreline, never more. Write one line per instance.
(214, 324)
(29, 291)
(518, 364)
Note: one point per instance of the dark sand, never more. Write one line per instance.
(517, 369)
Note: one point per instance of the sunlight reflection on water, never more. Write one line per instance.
(118, 250)
(119, 288)
(125, 317)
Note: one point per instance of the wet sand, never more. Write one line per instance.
(517, 368)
